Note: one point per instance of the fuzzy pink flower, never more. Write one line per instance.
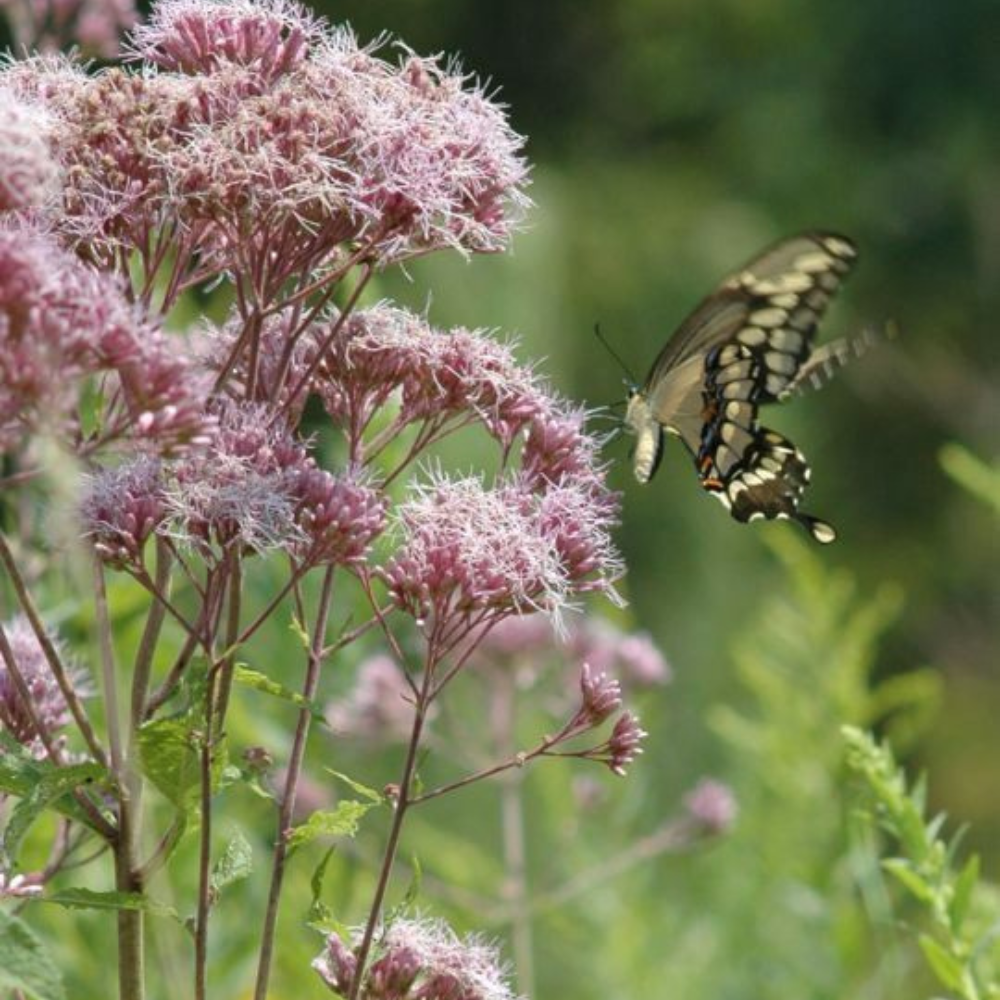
(270, 37)
(558, 446)
(339, 517)
(465, 548)
(419, 959)
(29, 175)
(439, 374)
(47, 701)
(240, 489)
(578, 519)
(121, 508)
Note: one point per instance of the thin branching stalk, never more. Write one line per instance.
(396, 829)
(56, 665)
(291, 786)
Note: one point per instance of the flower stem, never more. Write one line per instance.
(291, 788)
(389, 857)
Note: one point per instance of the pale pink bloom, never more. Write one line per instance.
(29, 175)
(632, 655)
(621, 747)
(47, 701)
(558, 446)
(339, 516)
(601, 697)
(121, 508)
(419, 959)
(439, 374)
(378, 706)
(465, 549)
(240, 489)
(712, 805)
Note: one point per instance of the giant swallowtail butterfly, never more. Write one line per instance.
(747, 344)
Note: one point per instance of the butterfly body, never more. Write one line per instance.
(746, 345)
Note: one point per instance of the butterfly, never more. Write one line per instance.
(747, 344)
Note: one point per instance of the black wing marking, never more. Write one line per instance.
(769, 483)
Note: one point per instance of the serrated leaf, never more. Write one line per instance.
(169, 757)
(48, 789)
(376, 798)
(25, 965)
(945, 966)
(910, 878)
(257, 681)
(89, 899)
(20, 773)
(341, 821)
(235, 864)
(962, 893)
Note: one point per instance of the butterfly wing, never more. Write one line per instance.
(743, 346)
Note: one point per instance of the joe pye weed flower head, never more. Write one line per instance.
(252, 146)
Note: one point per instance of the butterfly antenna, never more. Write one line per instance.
(624, 367)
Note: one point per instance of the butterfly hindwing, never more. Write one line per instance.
(747, 344)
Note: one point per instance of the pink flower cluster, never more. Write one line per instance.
(47, 704)
(438, 374)
(466, 549)
(419, 959)
(61, 321)
(259, 136)
(29, 176)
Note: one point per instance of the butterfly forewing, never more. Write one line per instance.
(745, 345)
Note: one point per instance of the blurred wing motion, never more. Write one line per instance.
(748, 343)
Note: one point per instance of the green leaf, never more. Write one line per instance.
(89, 899)
(170, 758)
(48, 789)
(25, 965)
(962, 894)
(342, 821)
(320, 915)
(912, 879)
(261, 682)
(235, 864)
(376, 798)
(20, 773)
(949, 970)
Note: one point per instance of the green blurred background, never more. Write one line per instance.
(671, 139)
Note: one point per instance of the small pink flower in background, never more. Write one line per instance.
(419, 959)
(712, 805)
(631, 655)
(29, 175)
(47, 701)
(93, 26)
(379, 705)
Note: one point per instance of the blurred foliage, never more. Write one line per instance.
(961, 946)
